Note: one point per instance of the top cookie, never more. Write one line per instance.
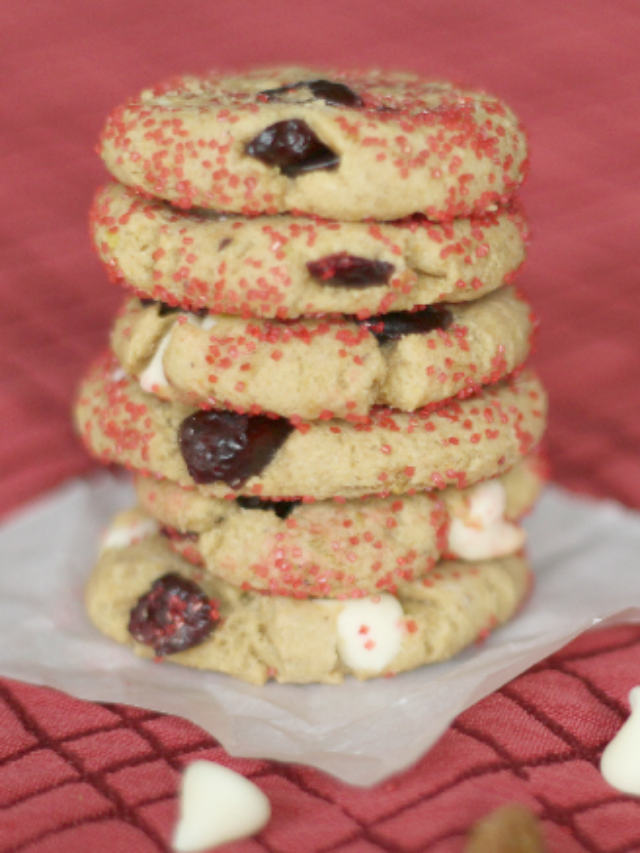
(341, 145)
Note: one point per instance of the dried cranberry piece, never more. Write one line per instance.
(164, 310)
(282, 509)
(343, 270)
(292, 146)
(397, 324)
(230, 447)
(178, 535)
(332, 93)
(173, 616)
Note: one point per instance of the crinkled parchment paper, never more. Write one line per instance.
(586, 555)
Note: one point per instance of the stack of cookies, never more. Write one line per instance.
(317, 373)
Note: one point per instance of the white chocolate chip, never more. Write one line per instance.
(153, 376)
(123, 535)
(208, 322)
(483, 533)
(217, 806)
(370, 632)
(487, 502)
(620, 762)
(117, 374)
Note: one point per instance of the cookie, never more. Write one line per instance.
(341, 145)
(285, 267)
(136, 589)
(460, 442)
(326, 549)
(325, 368)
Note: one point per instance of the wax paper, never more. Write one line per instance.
(586, 557)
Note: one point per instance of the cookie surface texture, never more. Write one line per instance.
(328, 549)
(285, 267)
(261, 636)
(459, 443)
(325, 368)
(272, 141)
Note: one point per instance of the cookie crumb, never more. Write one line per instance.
(509, 829)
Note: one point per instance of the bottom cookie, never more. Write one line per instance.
(147, 596)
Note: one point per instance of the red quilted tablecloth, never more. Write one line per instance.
(76, 776)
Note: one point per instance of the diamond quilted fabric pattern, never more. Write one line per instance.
(77, 776)
(76, 773)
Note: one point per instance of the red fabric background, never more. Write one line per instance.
(76, 776)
